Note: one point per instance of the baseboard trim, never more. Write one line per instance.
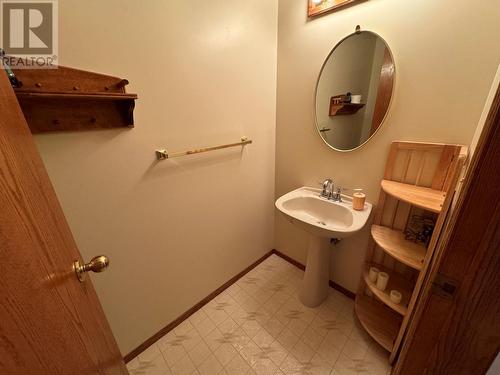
(146, 344)
(333, 285)
(150, 341)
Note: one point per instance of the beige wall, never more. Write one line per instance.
(446, 55)
(205, 72)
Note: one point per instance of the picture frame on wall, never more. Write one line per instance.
(317, 7)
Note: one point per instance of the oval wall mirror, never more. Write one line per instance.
(354, 90)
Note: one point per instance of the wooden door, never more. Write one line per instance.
(384, 93)
(458, 332)
(50, 323)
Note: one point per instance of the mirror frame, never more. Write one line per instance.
(357, 32)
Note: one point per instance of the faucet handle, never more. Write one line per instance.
(338, 195)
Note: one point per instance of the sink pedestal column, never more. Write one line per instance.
(314, 288)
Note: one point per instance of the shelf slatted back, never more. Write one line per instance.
(443, 172)
(432, 165)
(448, 158)
(420, 164)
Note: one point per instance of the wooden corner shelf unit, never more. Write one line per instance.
(420, 178)
(67, 99)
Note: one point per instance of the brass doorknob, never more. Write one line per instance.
(97, 264)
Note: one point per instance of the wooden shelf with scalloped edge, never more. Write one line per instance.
(67, 99)
(396, 282)
(379, 321)
(345, 109)
(423, 197)
(393, 242)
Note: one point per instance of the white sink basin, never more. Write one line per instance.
(321, 217)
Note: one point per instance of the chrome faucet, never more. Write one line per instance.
(327, 191)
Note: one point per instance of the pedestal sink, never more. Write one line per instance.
(323, 219)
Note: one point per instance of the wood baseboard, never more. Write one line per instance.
(146, 344)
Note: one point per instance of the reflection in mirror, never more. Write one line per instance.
(354, 91)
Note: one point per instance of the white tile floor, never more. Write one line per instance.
(258, 326)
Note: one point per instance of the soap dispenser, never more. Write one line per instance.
(358, 200)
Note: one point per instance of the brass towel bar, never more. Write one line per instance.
(164, 154)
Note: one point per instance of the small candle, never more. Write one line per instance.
(382, 280)
(395, 296)
(372, 274)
